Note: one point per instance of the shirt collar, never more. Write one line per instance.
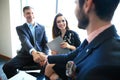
(95, 33)
(30, 25)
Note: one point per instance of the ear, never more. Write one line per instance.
(88, 5)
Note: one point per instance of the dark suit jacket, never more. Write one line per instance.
(99, 60)
(27, 41)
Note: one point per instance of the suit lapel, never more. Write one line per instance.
(37, 31)
(101, 38)
(29, 32)
(83, 54)
(38, 35)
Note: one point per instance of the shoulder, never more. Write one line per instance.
(21, 26)
(40, 25)
(112, 42)
(109, 48)
(72, 32)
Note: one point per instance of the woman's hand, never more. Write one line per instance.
(68, 46)
(65, 45)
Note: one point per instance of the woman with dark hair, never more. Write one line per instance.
(71, 42)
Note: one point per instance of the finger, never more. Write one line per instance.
(62, 43)
(42, 63)
(42, 58)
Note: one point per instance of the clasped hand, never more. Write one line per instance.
(40, 57)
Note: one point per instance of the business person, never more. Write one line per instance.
(71, 42)
(33, 41)
(98, 57)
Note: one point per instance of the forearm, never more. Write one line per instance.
(59, 59)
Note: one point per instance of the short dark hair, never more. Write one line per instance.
(104, 8)
(26, 8)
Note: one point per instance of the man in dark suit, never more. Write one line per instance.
(33, 41)
(98, 58)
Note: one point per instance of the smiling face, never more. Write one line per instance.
(61, 22)
(29, 15)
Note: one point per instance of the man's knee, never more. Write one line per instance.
(9, 70)
(6, 67)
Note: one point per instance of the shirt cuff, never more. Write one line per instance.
(30, 51)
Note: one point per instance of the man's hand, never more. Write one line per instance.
(39, 57)
(36, 56)
(43, 58)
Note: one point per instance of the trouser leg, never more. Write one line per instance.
(10, 68)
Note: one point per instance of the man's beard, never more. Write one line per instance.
(83, 20)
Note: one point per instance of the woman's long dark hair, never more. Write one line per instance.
(55, 30)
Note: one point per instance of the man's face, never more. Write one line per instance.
(83, 19)
(29, 15)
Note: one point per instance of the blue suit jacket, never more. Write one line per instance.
(27, 41)
(99, 60)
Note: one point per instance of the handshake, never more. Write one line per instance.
(39, 57)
